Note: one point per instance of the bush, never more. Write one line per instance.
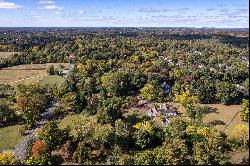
(176, 129)
(239, 136)
(38, 149)
(51, 70)
(104, 135)
(244, 112)
(7, 158)
(144, 158)
(147, 134)
(210, 148)
(123, 135)
(114, 156)
(176, 152)
(7, 115)
(82, 153)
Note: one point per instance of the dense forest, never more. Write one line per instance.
(112, 69)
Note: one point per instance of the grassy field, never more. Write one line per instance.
(7, 54)
(27, 74)
(52, 80)
(222, 117)
(18, 76)
(10, 137)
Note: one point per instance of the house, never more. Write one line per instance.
(164, 110)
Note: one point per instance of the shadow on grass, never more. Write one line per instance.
(216, 122)
(207, 110)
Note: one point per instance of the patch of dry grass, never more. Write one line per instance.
(222, 117)
(7, 54)
(19, 76)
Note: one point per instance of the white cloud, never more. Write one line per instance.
(46, 2)
(8, 5)
(51, 7)
(81, 12)
(59, 12)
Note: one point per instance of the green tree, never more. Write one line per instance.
(188, 101)
(78, 103)
(31, 101)
(151, 92)
(52, 136)
(111, 110)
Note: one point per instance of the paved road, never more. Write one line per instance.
(21, 150)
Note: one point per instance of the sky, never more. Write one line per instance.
(124, 13)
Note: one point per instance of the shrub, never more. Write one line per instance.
(176, 129)
(239, 136)
(123, 135)
(7, 158)
(38, 149)
(114, 156)
(144, 158)
(210, 148)
(244, 112)
(7, 115)
(208, 154)
(32, 161)
(81, 154)
(51, 70)
(147, 134)
(176, 152)
(104, 135)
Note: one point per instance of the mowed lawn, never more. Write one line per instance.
(10, 137)
(7, 54)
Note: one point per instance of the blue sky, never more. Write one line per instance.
(125, 13)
